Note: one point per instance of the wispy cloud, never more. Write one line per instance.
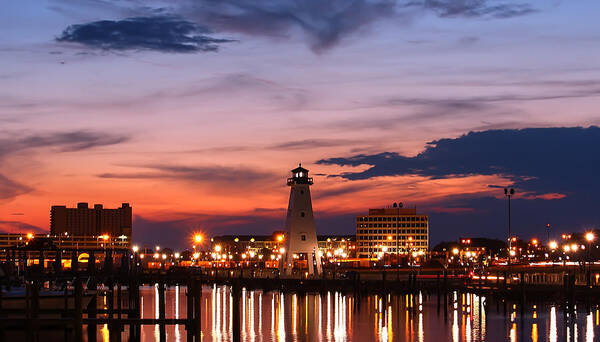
(19, 227)
(228, 177)
(12, 143)
(10, 189)
(70, 141)
(314, 143)
(475, 8)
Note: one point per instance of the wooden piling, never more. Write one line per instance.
(78, 319)
(161, 310)
(236, 294)
(197, 309)
(190, 311)
(92, 310)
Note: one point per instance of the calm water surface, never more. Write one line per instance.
(274, 316)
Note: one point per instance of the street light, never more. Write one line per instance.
(508, 193)
(198, 238)
(589, 236)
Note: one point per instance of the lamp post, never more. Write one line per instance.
(589, 237)
(548, 231)
(508, 193)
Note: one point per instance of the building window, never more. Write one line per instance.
(303, 237)
(301, 214)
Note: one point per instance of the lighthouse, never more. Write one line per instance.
(301, 238)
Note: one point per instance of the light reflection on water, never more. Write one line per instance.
(334, 316)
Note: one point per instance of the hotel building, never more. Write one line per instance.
(392, 230)
(96, 221)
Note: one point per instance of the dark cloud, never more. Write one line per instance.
(475, 8)
(553, 169)
(539, 159)
(324, 23)
(158, 33)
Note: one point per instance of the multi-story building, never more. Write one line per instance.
(393, 231)
(96, 221)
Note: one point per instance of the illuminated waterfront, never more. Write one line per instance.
(332, 316)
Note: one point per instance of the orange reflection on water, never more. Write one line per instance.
(335, 316)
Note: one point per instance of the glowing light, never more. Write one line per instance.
(157, 248)
(389, 237)
(196, 255)
(281, 250)
(590, 236)
(105, 237)
(574, 247)
(279, 238)
(177, 255)
(156, 255)
(29, 236)
(164, 256)
(553, 245)
(566, 248)
(455, 251)
(513, 253)
(135, 249)
(534, 242)
(198, 238)
(217, 248)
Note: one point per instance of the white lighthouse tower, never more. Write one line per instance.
(301, 238)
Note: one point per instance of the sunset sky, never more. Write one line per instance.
(194, 111)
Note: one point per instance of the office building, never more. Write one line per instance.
(395, 231)
(96, 221)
